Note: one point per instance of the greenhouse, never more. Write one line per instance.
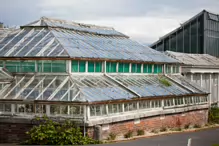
(91, 73)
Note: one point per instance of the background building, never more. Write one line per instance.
(200, 35)
(203, 69)
(94, 75)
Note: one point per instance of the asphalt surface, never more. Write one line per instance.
(208, 137)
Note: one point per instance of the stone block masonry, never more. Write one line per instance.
(199, 117)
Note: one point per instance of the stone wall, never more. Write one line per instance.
(199, 117)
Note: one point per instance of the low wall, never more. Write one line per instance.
(199, 117)
(13, 130)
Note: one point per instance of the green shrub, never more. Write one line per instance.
(154, 131)
(163, 129)
(165, 82)
(177, 129)
(49, 132)
(112, 136)
(129, 134)
(213, 116)
(196, 126)
(140, 132)
(187, 126)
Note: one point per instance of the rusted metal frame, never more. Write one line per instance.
(12, 39)
(28, 42)
(45, 88)
(83, 59)
(37, 44)
(58, 88)
(45, 47)
(14, 86)
(18, 43)
(35, 87)
(25, 86)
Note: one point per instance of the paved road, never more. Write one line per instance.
(200, 138)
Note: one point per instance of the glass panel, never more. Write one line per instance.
(54, 109)
(74, 66)
(108, 66)
(138, 68)
(113, 66)
(58, 66)
(155, 68)
(145, 68)
(90, 66)
(121, 65)
(82, 66)
(134, 66)
(13, 66)
(28, 66)
(150, 68)
(47, 66)
(98, 67)
(126, 67)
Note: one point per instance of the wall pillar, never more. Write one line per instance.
(210, 96)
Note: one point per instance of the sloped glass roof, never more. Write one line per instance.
(59, 38)
(91, 88)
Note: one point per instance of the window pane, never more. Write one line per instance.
(74, 66)
(13, 66)
(150, 68)
(108, 67)
(138, 68)
(47, 66)
(113, 66)
(159, 69)
(133, 68)
(90, 66)
(155, 68)
(126, 67)
(98, 67)
(82, 66)
(28, 66)
(92, 110)
(58, 66)
(145, 68)
(121, 65)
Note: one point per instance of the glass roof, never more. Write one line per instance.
(59, 39)
(91, 88)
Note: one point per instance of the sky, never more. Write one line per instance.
(143, 20)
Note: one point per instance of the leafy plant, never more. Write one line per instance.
(112, 136)
(129, 134)
(164, 81)
(140, 132)
(186, 126)
(154, 131)
(177, 129)
(197, 126)
(163, 129)
(49, 132)
(213, 115)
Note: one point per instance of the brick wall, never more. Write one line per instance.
(14, 132)
(170, 121)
